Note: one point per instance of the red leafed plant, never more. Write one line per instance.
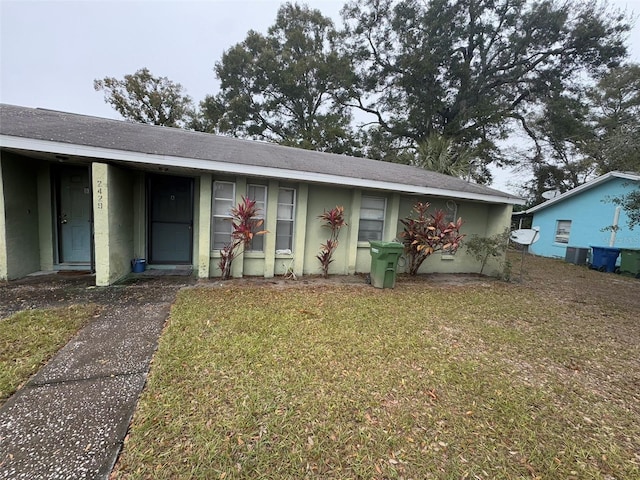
(245, 227)
(428, 233)
(333, 220)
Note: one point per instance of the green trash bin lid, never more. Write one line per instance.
(387, 246)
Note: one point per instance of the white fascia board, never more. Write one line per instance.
(240, 169)
(585, 186)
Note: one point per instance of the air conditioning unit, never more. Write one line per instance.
(577, 255)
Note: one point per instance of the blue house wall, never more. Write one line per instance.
(588, 214)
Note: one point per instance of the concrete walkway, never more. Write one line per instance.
(70, 419)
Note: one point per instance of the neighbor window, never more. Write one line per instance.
(224, 195)
(372, 211)
(258, 193)
(563, 228)
(286, 211)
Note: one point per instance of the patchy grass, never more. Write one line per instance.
(483, 380)
(29, 338)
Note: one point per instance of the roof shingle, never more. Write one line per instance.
(84, 130)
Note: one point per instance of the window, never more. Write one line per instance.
(563, 228)
(372, 213)
(286, 211)
(258, 193)
(451, 216)
(224, 195)
(451, 212)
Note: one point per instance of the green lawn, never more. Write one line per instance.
(29, 338)
(483, 380)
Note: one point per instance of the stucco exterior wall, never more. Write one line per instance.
(589, 214)
(20, 242)
(113, 222)
(4, 274)
(321, 199)
(482, 219)
(46, 218)
(139, 205)
(351, 256)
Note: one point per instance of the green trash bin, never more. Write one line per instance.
(384, 262)
(630, 261)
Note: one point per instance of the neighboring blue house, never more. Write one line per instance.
(577, 217)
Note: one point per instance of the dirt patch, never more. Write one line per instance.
(565, 282)
(57, 290)
(560, 281)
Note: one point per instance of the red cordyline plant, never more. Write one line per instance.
(245, 227)
(334, 221)
(428, 233)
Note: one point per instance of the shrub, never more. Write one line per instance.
(428, 233)
(245, 227)
(481, 248)
(334, 221)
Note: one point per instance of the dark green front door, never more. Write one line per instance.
(170, 219)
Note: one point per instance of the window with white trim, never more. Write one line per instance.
(285, 220)
(563, 229)
(258, 193)
(224, 196)
(372, 213)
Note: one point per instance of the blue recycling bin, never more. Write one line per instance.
(604, 259)
(138, 265)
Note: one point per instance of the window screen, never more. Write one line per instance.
(224, 194)
(563, 229)
(285, 221)
(372, 212)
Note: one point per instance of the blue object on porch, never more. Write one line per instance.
(138, 265)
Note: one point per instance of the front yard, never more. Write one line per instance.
(479, 379)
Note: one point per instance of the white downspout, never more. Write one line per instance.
(614, 227)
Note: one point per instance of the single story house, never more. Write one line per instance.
(80, 192)
(579, 217)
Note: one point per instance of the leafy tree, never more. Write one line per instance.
(631, 205)
(144, 98)
(615, 102)
(588, 130)
(472, 70)
(287, 86)
(440, 154)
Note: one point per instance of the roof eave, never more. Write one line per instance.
(69, 149)
(585, 186)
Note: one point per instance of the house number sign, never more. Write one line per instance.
(99, 194)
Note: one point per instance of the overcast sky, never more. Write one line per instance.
(51, 51)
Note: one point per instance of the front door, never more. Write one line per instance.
(170, 219)
(74, 215)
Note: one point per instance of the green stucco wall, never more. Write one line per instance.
(351, 256)
(19, 245)
(4, 274)
(45, 218)
(113, 222)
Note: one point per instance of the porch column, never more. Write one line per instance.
(204, 225)
(4, 273)
(353, 219)
(271, 222)
(300, 233)
(113, 222)
(391, 223)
